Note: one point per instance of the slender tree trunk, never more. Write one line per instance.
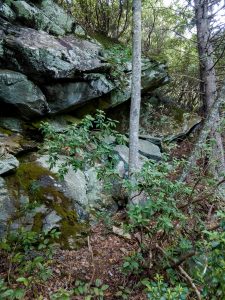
(208, 86)
(210, 122)
(135, 89)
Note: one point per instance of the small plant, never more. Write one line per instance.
(210, 264)
(8, 293)
(95, 291)
(159, 289)
(61, 294)
(28, 264)
(133, 264)
(123, 293)
(83, 147)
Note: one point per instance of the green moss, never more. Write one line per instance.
(178, 114)
(5, 131)
(28, 177)
(38, 222)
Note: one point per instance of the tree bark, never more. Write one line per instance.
(135, 89)
(208, 86)
(210, 122)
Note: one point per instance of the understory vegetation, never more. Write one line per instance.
(178, 226)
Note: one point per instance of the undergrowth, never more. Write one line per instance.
(179, 226)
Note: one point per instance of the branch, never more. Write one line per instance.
(184, 273)
(190, 281)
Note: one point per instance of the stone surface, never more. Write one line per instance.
(29, 14)
(12, 124)
(97, 197)
(43, 15)
(58, 122)
(153, 76)
(7, 207)
(6, 11)
(149, 150)
(16, 144)
(51, 221)
(18, 92)
(8, 163)
(67, 96)
(154, 140)
(41, 55)
(83, 188)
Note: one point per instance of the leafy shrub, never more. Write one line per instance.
(82, 146)
(159, 290)
(210, 264)
(133, 264)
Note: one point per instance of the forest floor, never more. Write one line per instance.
(101, 258)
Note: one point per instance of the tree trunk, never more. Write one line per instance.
(135, 89)
(206, 129)
(208, 86)
(135, 94)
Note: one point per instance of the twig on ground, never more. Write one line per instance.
(92, 260)
(190, 280)
(182, 271)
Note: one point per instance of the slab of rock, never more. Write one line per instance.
(43, 15)
(83, 188)
(19, 93)
(16, 144)
(51, 221)
(154, 140)
(12, 124)
(8, 163)
(149, 150)
(153, 75)
(6, 11)
(41, 55)
(7, 207)
(67, 96)
(29, 14)
(146, 150)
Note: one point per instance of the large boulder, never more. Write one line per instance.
(83, 188)
(149, 149)
(42, 41)
(41, 55)
(44, 15)
(21, 94)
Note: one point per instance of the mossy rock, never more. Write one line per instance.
(37, 182)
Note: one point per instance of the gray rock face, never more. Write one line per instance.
(67, 96)
(7, 207)
(83, 188)
(51, 221)
(38, 54)
(123, 152)
(20, 93)
(29, 14)
(6, 11)
(37, 39)
(8, 163)
(42, 15)
(149, 150)
(12, 124)
(153, 76)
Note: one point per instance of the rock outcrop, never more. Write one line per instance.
(53, 66)
(50, 67)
